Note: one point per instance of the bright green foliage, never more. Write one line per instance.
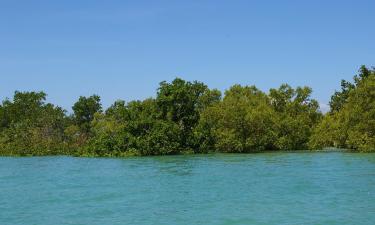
(330, 132)
(352, 125)
(249, 120)
(359, 115)
(296, 116)
(246, 121)
(339, 98)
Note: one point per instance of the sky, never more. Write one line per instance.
(123, 49)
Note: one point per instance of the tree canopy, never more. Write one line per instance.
(351, 123)
(188, 117)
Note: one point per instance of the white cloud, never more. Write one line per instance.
(324, 108)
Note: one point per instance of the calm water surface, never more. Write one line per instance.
(269, 188)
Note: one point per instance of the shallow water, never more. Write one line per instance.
(269, 188)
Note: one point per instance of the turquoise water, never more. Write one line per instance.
(269, 188)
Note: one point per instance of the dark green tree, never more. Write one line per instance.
(30, 126)
(84, 110)
(181, 103)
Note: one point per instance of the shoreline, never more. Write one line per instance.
(191, 154)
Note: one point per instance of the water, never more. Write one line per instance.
(270, 188)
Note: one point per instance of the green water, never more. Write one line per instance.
(269, 188)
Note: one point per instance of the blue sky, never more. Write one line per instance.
(123, 49)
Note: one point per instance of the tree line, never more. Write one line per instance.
(188, 117)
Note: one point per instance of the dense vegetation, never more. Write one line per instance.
(188, 117)
(351, 122)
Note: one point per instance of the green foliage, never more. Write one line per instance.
(84, 110)
(296, 116)
(352, 125)
(330, 132)
(188, 117)
(359, 114)
(249, 120)
(339, 98)
(181, 103)
(29, 126)
(246, 121)
(132, 129)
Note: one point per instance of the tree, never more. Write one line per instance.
(242, 122)
(84, 110)
(181, 103)
(359, 115)
(297, 114)
(31, 126)
(339, 98)
(330, 132)
(188, 117)
(352, 125)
